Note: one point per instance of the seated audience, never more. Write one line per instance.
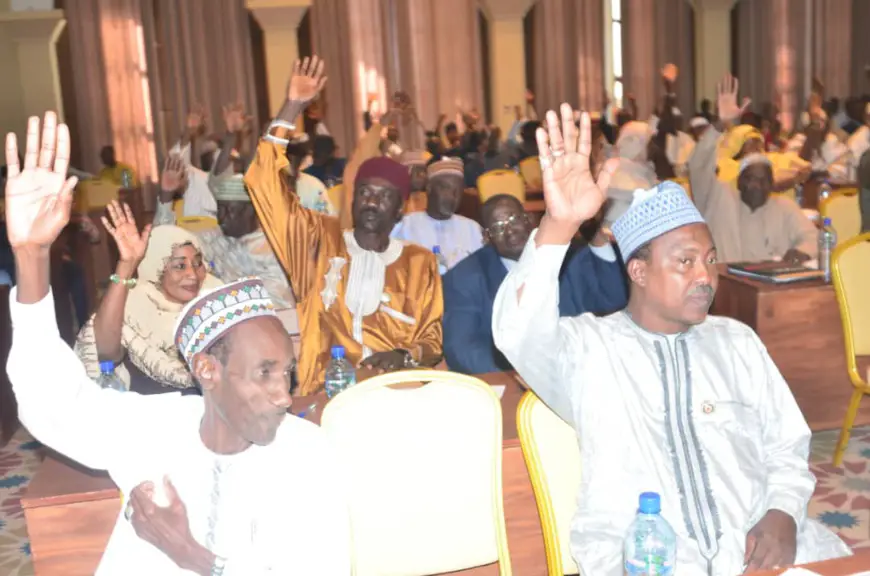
(864, 191)
(197, 155)
(749, 223)
(591, 280)
(324, 164)
(357, 288)
(440, 225)
(133, 324)
(663, 397)
(117, 173)
(415, 161)
(635, 169)
(204, 480)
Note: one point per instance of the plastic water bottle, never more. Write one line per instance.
(108, 379)
(442, 261)
(827, 242)
(340, 373)
(650, 545)
(824, 191)
(126, 179)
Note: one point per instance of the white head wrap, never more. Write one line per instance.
(633, 140)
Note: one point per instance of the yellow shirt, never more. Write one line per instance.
(115, 174)
(306, 243)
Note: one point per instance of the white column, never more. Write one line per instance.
(507, 59)
(712, 45)
(279, 20)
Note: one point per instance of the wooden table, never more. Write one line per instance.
(70, 511)
(800, 325)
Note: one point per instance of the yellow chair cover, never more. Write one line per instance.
(197, 223)
(843, 209)
(530, 168)
(552, 455)
(94, 194)
(501, 181)
(851, 274)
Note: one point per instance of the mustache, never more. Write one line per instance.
(705, 290)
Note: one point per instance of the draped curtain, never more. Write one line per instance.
(111, 84)
(568, 53)
(860, 51)
(655, 33)
(832, 45)
(202, 55)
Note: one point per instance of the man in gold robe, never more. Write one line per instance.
(377, 297)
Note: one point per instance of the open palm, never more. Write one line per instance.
(571, 194)
(307, 80)
(131, 243)
(39, 197)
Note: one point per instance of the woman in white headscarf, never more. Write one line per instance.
(635, 170)
(134, 325)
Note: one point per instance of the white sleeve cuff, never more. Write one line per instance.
(33, 320)
(605, 252)
(540, 261)
(793, 506)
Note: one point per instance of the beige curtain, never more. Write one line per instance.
(568, 54)
(832, 46)
(202, 51)
(772, 51)
(654, 33)
(860, 51)
(111, 83)
(348, 34)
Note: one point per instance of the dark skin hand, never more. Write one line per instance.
(168, 529)
(772, 543)
(382, 362)
(795, 257)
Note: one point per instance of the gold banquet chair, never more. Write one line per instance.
(336, 196)
(851, 272)
(197, 223)
(552, 454)
(425, 495)
(530, 168)
(501, 182)
(844, 211)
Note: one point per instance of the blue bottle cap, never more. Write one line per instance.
(436, 249)
(107, 367)
(337, 352)
(826, 221)
(650, 503)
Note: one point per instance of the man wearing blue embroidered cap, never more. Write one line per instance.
(663, 397)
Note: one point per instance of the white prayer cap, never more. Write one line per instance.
(676, 111)
(752, 159)
(698, 122)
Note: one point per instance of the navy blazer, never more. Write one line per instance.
(586, 284)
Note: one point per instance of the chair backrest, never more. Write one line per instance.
(843, 209)
(501, 181)
(530, 168)
(423, 469)
(95, 194)
(197, 223)
(178, 208)
(552, 455)
(851, 272)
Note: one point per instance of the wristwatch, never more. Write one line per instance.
(409, 359)
(217, 569)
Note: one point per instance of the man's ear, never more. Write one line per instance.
(637, 269)
(207, 370)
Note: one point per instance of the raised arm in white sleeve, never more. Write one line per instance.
(702, 169)
(527, 329)
(57, 402)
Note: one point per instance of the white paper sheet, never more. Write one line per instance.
(799, 572)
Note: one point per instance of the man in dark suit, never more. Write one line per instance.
(591, 280)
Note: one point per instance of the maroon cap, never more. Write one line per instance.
(385, 169)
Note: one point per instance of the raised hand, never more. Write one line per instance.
(39, 197)
(571, 194)
(669, 73)
(234, 117)
(195, 121)
(131, 243)
(173, 178)
(307, 80)
(726, 99)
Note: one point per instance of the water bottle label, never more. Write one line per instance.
(649, 566)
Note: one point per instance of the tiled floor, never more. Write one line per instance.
(842, 498)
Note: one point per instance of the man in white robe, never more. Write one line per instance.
(634, 169)
(205, 480)
(455, 236)
(663, 397)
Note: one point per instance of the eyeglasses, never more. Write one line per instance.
(517, 221)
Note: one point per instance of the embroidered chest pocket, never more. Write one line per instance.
(396, 313)
(737, 421)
